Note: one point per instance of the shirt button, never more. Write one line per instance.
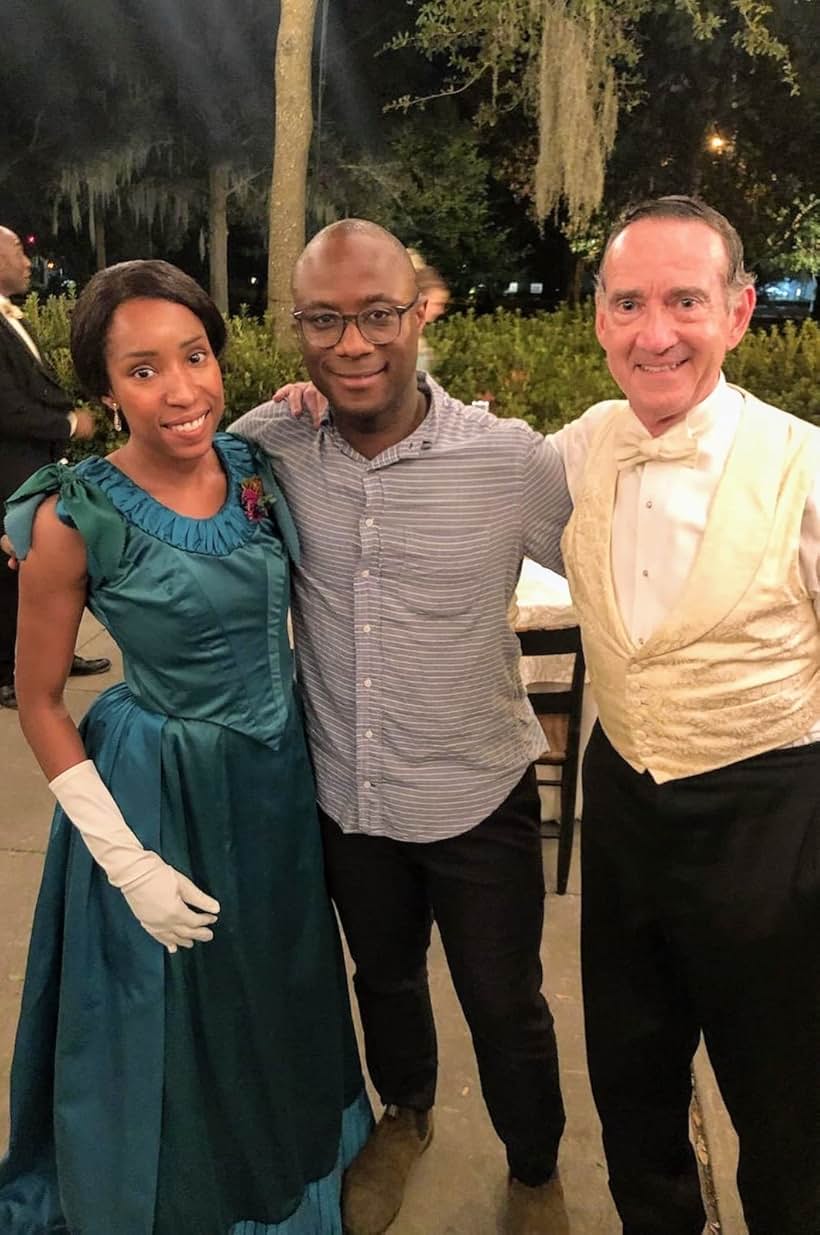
(368, 682)
(367, 628)
(368, 733)
(642, 641)
(367, 784)
(365, 574)
(645, 574)
(369, 522)
(649, 504)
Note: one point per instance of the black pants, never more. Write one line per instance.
(701, 912)
(485, 890)
(8, 620)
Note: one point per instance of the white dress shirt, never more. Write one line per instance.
(12, 315)
(661, 509)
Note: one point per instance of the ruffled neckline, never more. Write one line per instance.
(219, 534)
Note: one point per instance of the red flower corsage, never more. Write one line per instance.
(253, 499)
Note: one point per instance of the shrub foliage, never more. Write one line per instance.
(549, 368)
(546, 369)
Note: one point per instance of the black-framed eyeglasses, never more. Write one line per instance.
(378, 323)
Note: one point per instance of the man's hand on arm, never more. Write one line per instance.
(8, 548)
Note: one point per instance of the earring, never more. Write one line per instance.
(115, 407)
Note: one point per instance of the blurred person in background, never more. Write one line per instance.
(37, 419)
(435, 294)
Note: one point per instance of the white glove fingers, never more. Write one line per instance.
(185, 918)
(178, 936)
(192, 895)
(169, 938)
(200, 935)
(166, 938)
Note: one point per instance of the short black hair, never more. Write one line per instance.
(689, 209)
(108, 289)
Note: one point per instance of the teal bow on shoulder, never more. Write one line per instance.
(95, 518)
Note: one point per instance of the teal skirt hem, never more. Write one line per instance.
(320, 1210)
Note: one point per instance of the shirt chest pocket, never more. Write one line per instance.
(436, 573)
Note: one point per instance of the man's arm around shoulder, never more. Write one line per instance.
(545, 500)
(573, 440)
(552, 472)
(265, 423)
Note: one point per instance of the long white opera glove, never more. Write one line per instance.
(158, 896)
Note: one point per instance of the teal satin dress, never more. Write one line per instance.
(215, 1091)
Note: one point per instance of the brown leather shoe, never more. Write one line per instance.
(536, 1211)
(374, 1183)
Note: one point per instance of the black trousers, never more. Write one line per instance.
(485, 890)
(701, 912)
(8, 620)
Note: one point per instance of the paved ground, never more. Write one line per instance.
(459, 1185)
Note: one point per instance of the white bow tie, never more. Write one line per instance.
(7, 309)
(633, 445)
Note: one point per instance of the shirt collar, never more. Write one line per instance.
(8, 309)
(722, 404)
(422, 437)
(706, 415)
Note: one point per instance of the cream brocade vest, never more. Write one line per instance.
(734, 670)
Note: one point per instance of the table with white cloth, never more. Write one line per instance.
(542, 602)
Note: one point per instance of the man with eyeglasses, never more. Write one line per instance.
(414, 513)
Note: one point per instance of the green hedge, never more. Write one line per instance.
(549, 368)
(546, 369)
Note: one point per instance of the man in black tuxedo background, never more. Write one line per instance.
(36, 421)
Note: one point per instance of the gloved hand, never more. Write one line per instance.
(158, 896)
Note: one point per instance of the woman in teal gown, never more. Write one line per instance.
(215, 1090)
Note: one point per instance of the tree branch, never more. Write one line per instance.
(404, 104)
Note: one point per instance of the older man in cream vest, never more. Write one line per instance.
(693, 556)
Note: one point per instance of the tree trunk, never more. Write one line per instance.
(96, 231)
(292, 134)
(218, 233)
(576, 280)
(99, 241)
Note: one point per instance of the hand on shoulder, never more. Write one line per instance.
(303, 397)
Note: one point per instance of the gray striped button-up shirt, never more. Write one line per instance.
(417, 720)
